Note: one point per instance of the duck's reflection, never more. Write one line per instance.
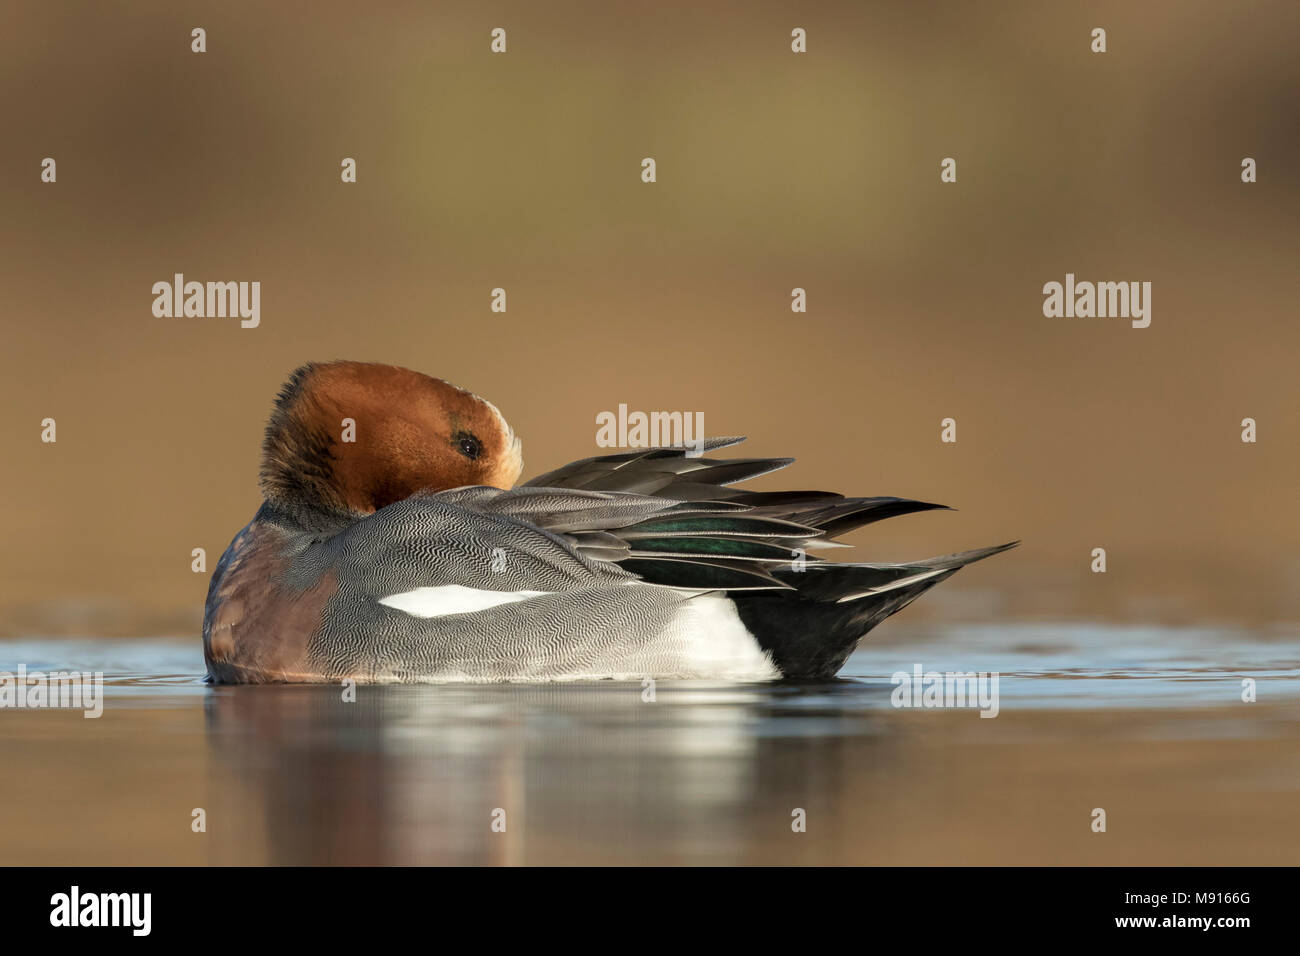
(561, 773)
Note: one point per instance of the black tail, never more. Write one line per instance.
(811, 630)
(708, 537)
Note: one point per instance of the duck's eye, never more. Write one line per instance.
(468, 445)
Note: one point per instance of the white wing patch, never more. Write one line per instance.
(453, 599)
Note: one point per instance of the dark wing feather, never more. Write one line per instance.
(660, 513)
(599, 473)
(671, 473)
(693, 574)
(699, 545)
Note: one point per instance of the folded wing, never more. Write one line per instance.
(671, 518)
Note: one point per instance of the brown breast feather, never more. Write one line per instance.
(259, 631)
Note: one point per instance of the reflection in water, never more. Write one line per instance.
(582, 771)
(1147, 722)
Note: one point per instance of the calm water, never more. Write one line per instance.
(1145, 723)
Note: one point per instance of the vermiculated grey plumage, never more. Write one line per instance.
(618, 545)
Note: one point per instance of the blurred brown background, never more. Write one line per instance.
(775, 170)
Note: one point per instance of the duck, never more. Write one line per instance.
(394, 544)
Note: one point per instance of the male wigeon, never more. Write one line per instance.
(395, 547)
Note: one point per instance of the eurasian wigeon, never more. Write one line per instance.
(394, 547)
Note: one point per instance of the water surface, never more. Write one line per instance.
(1147, 723)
